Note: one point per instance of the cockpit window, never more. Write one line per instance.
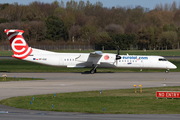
(162, 59)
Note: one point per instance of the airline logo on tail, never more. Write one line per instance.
(18, 44)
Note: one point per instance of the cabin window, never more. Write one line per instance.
(162, 59)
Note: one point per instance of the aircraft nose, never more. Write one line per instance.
(172, 66)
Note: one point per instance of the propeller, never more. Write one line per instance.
(117, 56)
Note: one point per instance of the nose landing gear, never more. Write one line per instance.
(167, 71)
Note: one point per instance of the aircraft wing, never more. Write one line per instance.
(93, 57)
(96, 53)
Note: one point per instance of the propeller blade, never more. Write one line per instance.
(118, 50)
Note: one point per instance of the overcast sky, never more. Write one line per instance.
(106, 3)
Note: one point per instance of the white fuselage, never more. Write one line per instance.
(106, 60)
(93, 60)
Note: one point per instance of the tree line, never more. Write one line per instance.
(86, 23)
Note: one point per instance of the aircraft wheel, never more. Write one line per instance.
(167, 71)
(92, 71)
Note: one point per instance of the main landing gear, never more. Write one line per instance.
(167, 71)
(93, 70)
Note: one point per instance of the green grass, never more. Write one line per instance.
(114, 101)
(2, 79)
(15, 65)
(122, 52)
(6, 53)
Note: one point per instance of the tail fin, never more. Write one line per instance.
(18, 44)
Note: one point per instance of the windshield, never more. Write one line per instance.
(162, 59)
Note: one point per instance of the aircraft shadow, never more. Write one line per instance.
(3, 71)
(88, 72)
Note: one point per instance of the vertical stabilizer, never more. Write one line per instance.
(18, 44)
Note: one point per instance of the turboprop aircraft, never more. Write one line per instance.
(92, 60)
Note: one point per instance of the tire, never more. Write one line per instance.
(92, 71)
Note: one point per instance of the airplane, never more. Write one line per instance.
(92, 60)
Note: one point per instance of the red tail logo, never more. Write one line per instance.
(18, 44)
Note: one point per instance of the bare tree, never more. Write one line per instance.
(74, 32)
(166, 8)
(131, 28)
(38, 30)
(177, 16)
(174, 6)
(113, 28)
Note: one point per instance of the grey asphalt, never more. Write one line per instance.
(74, 82)
(6, 57)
